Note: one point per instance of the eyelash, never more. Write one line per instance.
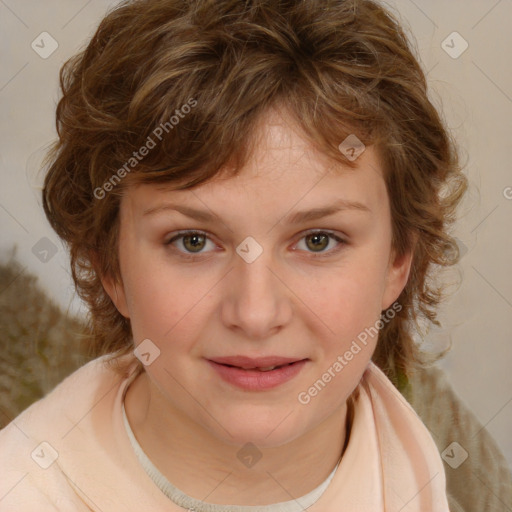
(196, 256)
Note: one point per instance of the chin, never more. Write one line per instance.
(263, 430)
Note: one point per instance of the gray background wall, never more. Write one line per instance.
(473, 87)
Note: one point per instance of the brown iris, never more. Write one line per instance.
(320, 240)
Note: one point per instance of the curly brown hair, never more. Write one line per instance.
(339, 66)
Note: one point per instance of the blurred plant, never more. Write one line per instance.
(40, 344)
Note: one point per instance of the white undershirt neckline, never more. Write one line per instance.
(189, 503)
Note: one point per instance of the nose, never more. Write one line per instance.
(256, 300)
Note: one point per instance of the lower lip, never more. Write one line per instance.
(254, 380)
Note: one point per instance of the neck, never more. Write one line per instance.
(206, 468)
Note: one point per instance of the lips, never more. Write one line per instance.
(257, 374)
(260, 363)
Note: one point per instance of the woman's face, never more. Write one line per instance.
(262, 284)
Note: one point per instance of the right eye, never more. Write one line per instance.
(192, 242)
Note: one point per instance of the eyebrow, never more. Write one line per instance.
(294, 218)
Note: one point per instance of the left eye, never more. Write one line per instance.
(320, 240)
(194, 241)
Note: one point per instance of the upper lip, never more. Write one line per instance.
(256, 362)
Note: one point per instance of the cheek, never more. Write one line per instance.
(157, 316)
(157, 298)
(169, 306)
(349, 308)
(348, 299)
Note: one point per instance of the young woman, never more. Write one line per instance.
(254, 194)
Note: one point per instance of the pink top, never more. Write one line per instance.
(70, 451)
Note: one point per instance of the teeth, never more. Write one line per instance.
(267, 369)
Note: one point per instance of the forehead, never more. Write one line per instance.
(283, 170)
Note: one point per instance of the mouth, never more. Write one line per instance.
(257, 374)
(266, 369)
(251, 363)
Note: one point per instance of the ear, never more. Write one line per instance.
(397, 275)
(116, 292)
(115, 289)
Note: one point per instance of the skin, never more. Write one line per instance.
(297, 299)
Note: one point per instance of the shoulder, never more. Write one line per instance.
(35, 443)
(477, 474)
(398, 445)
(68, 397)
